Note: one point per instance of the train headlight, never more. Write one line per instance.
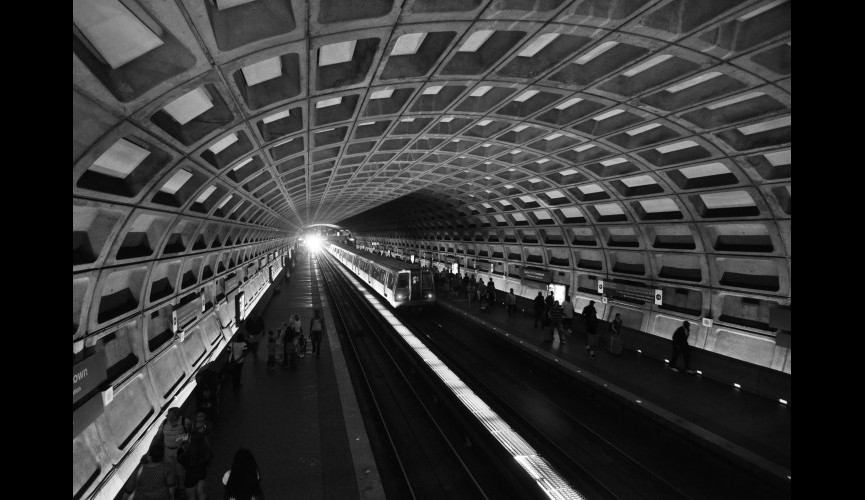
(400, 296)
(430, 296)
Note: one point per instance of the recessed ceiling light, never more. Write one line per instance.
(516, 151)
(552, 137)
(176, 182)
(381, 94)
(480, 91)
(734, 100)
(693, 81)
(644, 128)
(760, 10)
(435, 89)
(206, 194)
(241, 164)
(474, 42)
(447, 119)
(223, 202)
(583, 147)
(262, 71)
(484, 123)
(120, 159)
(779, 157)
(115, 32)
(706, 170)
(669, 148)
(223, 143)
(537, 44)
(600, 49)
(324, 103)
(276, 116)
(613, 161)
(525, 96)
(567, 104)
(336, 53)
(519, 128)
(784, 121)
(646, 65)
(408, 44)
(640, 180)
(406, 120)
(608, 114)
(188, 106)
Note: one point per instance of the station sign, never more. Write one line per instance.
(88, 374)
(659, 297)
(544, 276)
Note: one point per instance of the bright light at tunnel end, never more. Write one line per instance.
(314, 243)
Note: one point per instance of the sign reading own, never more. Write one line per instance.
(88, 374)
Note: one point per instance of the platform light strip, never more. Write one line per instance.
(550, 482)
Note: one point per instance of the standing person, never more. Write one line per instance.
(590, 315)
(471, 292)
(616, 335)
(539, 309)
(155, 480)
(236, 358)
(252, 337)
(556, 322)
(511, 301)
(271, 350)
(481, 290)
(491, 292)
(548, 305)
(316, 326)
(279, 344)
(201, 424)
(680, 346)
(243, 480)
(174, 433)
(295, 328)
(195, 460)
(567, 317)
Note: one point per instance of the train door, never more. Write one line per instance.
(427, 284)
(403, 283)
(416, 292)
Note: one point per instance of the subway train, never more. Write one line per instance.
(400, 283)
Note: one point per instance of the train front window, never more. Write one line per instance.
(402, 280)
(426, 280)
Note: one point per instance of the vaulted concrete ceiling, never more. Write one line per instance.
(662, 126)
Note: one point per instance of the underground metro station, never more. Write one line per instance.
(532, 248)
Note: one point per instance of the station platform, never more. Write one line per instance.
(302, 425)
(745, 427)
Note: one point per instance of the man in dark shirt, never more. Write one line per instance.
(539, 309)
(680, 346)
(548, 305)
(590, 315)
(556, 322)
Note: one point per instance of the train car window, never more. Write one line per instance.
(402, 280)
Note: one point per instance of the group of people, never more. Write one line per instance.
(178, 460)
(284, 345)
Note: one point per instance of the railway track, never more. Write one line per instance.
(425, 448)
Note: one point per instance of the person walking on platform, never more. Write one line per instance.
(271, 350)
(567, 317)
(236, 359)
(295, 330)
(616, 335)
(491, 292)
(471, 292)
(680, 346)
(590, 315)
(173, 434)
(243, 480)
(548, 305)
(280, 344)
(195, 459)
(481, 290)
(316, 327)
(540, 309)
(556, 322)
(511, 302)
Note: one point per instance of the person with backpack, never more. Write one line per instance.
(556, 322)
(680, 346)
(567, 317)
(154, 480)
(243, 480)
(548, 305)
(174, 433)
(195, 459)
(316, 327)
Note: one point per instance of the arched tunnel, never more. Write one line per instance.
(642, 144)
